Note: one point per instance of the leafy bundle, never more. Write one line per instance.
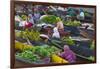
(51, 19)
(68, 40)
(28, 55)
(72, 23)
(33, 35)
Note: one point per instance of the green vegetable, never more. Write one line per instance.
(53, 49)
(28, 55)
(45, 51)
(68, 40)
(49, 19)
(87, 14)
(91, 58)
(29, 51)
(42, 51)
(33, 35)
(92, 45)
(72, 23)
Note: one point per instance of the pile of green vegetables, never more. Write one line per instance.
(37, 52)
(87, 14)
(92, 58)
(72, 23)
(28, 55)
(51, 19)
(92, 45)
(32, 34)
(45, 51)
(68, 40)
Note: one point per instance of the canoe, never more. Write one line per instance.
(31, 62)
(80, 51)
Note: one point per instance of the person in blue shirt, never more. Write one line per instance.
(81, 15)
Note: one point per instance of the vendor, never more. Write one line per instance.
(59, 24)
(17, 20)
(60, 27)
(30, 18)
(36, 16)
(46, 32)
(17, 17)
(81, 15)
(68, 54)
(24, 22)
(72, 12)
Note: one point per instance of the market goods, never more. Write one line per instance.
(28, 55)
(37, 40)
(21, 46)
(68, 40)
(57, 59)
(33, 35)
(49, 19)
(41, 51)
(92, 46)
(72, 23)
(91, 58)
(46, 51)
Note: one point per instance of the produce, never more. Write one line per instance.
(45, 51)
(22, 46)
(92, 45)
(57, 59)
(33, 35)
(53, 49)
(49, 19)
(42, 51)
(24, 17)
(68, 40)
(72, 23)
(28, 55)
(87, 14)
(91, 58)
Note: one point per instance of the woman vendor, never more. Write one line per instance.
(60, 27)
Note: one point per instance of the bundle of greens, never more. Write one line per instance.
(72, 23)
(45, 51)
(33, 35)
(28, 55)
(68, 40)
(51, 19)
(92, 58)
(92, 45)
(87, 14)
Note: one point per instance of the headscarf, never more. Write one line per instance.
(68, 54)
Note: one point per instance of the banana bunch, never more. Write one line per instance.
(33, 35)
(22, 46)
